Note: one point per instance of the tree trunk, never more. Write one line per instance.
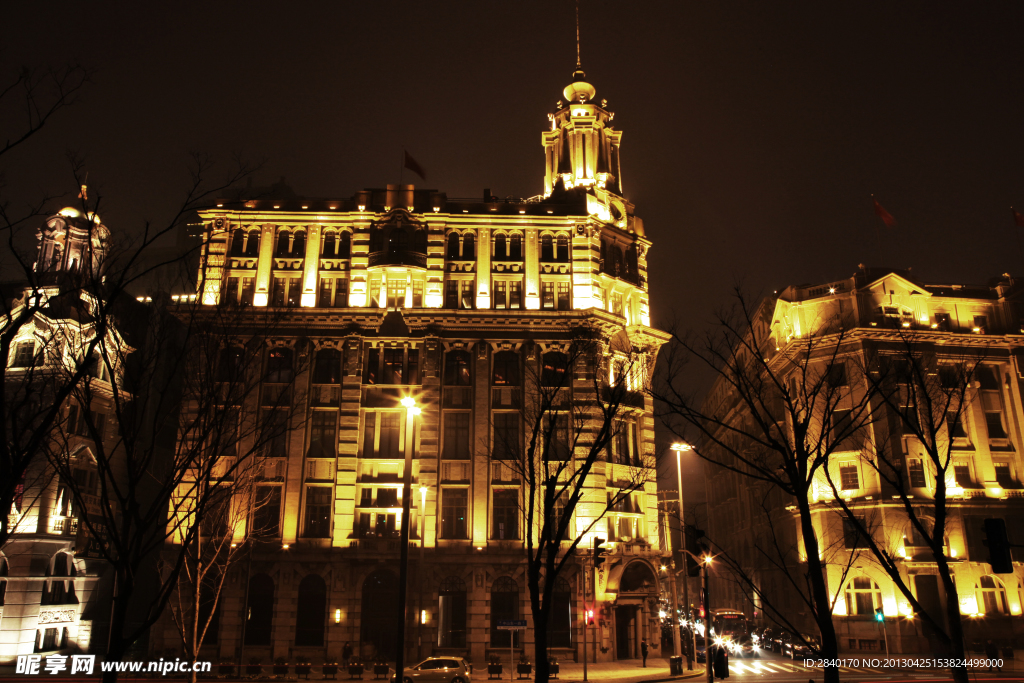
(819, 591)
(116, 645)
(540, 642)
(956, 626)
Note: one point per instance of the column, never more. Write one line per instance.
(483, 268)
(532, 256)
(264, 265)
(311, 267)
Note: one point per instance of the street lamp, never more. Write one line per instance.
(422, 521)
(410, 412)
(681, 447)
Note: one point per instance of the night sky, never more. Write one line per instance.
(754, 132)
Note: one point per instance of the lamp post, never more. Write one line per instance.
(422, 519)
(403, 574)
(691, 648)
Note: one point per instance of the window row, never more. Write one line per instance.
(246, 243)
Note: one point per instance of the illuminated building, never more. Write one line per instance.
(950, 324)
(51, 581)
(456, 302)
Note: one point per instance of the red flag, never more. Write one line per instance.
(411, 164)
(1017, 218)
(886, 217)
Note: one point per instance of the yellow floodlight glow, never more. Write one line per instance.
(681, 447)
(337, 616)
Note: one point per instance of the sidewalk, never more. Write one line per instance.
(625, 670)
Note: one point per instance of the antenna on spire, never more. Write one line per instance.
(577, 34)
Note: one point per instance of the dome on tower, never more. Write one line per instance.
(579, 90)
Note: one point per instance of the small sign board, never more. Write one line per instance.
(512, 624)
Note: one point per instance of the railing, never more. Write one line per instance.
(397, 258)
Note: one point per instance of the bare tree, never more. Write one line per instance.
(923, 398)
(572, 404)
(775, 414)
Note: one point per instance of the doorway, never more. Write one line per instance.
(625, 632)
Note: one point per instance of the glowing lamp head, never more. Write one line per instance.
(681, 447)
(337, 616)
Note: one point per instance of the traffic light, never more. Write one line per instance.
(599, 552)
(998, 545)
(879, 615)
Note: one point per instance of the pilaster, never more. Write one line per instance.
(264, 265)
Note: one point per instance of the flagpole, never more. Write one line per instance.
(401, 169)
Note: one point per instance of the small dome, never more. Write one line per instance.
(579, 90)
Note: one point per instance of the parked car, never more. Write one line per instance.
(439, 670)
(779, 640)
(803, 646)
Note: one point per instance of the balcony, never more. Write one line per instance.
(397, 257)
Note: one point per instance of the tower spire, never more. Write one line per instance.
(577, 35)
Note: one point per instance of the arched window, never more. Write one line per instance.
(468, 247)
(311, 612)
(397, 241)
(863, 596)
(451, 631)
(504, 606)
(457, 369)
(279, 366)
(500, 252)
(252, 245)
(282, 243)
(562, 612)
(345, 245)
(378, 622)
(327, 369)
(60, 590)
(330, 245)
(506, 369)
(563, 248)
(4, 572)
(299, 244)
(631, 267)
(515, 247)
(547, 252)
(260, 613)
(637, 578)
(993, 595)
(238, 242)
(554, 371)
(453, 246)
(229, 369)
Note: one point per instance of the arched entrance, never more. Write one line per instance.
(636, 584)
(378, 622)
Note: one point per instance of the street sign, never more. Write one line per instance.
(512, 624)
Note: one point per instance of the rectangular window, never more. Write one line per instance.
(318, 512)
(1004, 475)
(994, 421)
(500, 293)
(393, 359)
(456, 436)
(835, 376)
(369, 432)
(616, 304)
(842, 425)
(942, 321)
(372, 371)
(323, 434)
(451, 294)
(230, 296)
(396, 293)
(556, 437)
(506, 515)
(387, 498)
(564, 300)
(548, 294)
(956, 425)
(389, 434)
(248, 290)
(917, 479)
(413, 356)
(326, 292)
(454, 506)
(266, 518)
(515, 294)
(277, 292)
(506, 436)
(294, 291)
(417, 294)
(851, 533)
(849, 478)
(341, 292)
(275, 435)
(467, 294)
(962, 474)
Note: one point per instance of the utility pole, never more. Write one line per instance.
(679, 449)
(707, 625)
(403, 574)
(674, 612)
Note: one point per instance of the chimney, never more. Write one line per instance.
(391, 197)
(408, 193)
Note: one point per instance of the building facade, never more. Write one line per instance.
(460, 304)
(882, 314)
(51, 579)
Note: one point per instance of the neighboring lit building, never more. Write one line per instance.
(456, 302)
(51, 580)
(950, 324)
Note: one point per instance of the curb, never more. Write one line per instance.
(684, 677)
